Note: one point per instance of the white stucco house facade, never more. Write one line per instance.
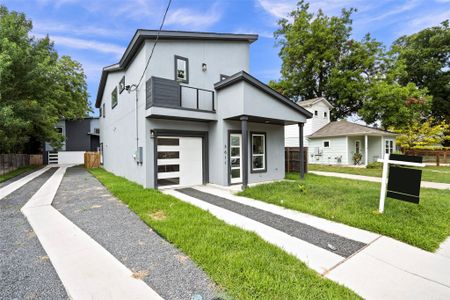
(197, 116)
(337, 142)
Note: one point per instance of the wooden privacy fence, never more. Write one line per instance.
(292, 159)
(11, 162)
(431, 156)
(91, 160)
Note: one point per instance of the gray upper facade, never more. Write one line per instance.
(197, 115)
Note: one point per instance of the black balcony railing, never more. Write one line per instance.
(196, 98)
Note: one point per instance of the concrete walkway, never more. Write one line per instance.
(424, 184)
(384, 269)
(85, 268)
(17, 184)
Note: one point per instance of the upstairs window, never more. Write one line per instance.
(181, 69)
(114, 98)
(103, 110)
(325, 114)
(97, 130)
(316, 113)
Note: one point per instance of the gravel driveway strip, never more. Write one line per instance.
(87, 203)
(25, 270)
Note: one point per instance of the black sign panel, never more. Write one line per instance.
(400, 157)
(404, 184)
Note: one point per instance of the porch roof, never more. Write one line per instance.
(243, 94)
(346, 128)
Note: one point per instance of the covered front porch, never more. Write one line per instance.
(365, 149)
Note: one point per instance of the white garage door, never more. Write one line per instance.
(179, 161)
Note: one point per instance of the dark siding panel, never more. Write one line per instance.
(77, 137)
(162, 92)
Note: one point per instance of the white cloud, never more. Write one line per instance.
(416, 24)
(87, 30)
(84, 44)
(407, 6)
(193, 18)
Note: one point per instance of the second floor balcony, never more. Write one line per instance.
(168, 97)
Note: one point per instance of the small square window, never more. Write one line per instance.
(97, 130)
(326, 144)
(114, 98)
(316, 113)
(181, 69)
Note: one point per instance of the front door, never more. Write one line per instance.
(235, 158)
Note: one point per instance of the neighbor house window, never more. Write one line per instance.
(97, 130)
(316, 113)
(325, 115)
(59, 130)
(103, 110)
(326, 144)
(389, 146)
(181, 69)
(114, 98)
(258, 152)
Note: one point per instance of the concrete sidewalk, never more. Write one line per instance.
(424, 184)
(384, 269)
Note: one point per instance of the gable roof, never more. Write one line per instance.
(244, 76)
(143, 34)
(344, 128)
(311, 102)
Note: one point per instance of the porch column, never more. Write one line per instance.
(366, 149)
(244, 130)
(301, 148)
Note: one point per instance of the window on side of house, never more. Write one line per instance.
(104, 110)
(325, 114)
(326, 144)
(97, 130)
(59, 130)
(389, 146)
(114, 98)
(258, 152)
(181, 69)
(316, 113)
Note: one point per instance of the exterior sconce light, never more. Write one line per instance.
(152, 134)
(204, 68)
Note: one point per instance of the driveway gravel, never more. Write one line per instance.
(87, 203)
(25, 270)
(328, 241)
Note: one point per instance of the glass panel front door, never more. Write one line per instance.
(235, 158)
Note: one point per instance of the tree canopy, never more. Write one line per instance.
(37, 87)
(320, 59)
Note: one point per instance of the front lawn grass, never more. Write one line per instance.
(16, 172)
(429, 173)
(355, 203)
(240, 262)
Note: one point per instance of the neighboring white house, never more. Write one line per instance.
(196, 117)
(320, 108)
(337, 142)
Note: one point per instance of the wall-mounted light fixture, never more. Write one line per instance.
(152, 134)
(204, 67)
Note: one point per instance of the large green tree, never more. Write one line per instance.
(37, 87)
(426, 55)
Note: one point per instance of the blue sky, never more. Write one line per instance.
(96, 32)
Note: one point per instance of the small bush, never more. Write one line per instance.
(374, 165)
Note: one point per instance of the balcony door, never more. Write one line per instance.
(235, 158)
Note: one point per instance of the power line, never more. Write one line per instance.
(154, 44)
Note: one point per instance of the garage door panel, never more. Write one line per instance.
(168, 175)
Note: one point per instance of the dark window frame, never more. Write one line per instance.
(114, 104)
(104, 110)
(176, 58)
(316, 113)
(325, 114)
(122, 84)
(252, 170)
(171, 152)
(326, 141)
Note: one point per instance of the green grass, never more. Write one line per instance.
(240, 262)
(16, 172)
(429, 173)
(355, 203)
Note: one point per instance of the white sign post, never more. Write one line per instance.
(384, 179)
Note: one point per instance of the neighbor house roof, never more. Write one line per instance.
(244, 76)
(311, 102)
(143, 34)
(344, 128)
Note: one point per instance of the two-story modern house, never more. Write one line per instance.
(197, 116)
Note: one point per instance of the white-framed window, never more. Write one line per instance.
(326, 144)
(97, 130)
(357, 146)
(388, 146)
(325, 114)
(316, 113)
(258, 152)
(181, 69)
